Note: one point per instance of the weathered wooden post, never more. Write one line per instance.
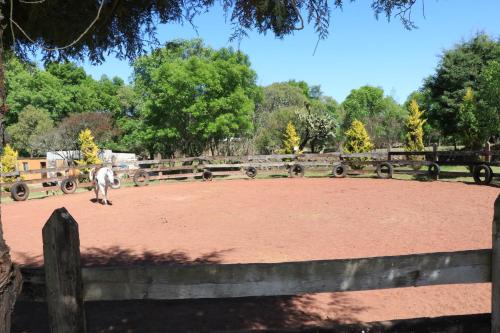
(63, 274)
(434, 152)
(487, 152)
(495, 271)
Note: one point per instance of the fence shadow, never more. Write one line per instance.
(199, 315)
(118, 256)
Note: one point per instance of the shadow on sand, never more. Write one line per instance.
(256, 314)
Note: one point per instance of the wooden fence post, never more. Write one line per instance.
(63, 274)
(495, 271)
(434, 152)
(487, 152)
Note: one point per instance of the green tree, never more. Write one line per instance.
(414, 138)
(291, 140)
(382, 115)
(488, 106)
(32, 124)
(319, 129)
(459, 68)
(88, 148)
(357, 138)
(468, 126)
(60, 90)
(194, 97)
(313, 115)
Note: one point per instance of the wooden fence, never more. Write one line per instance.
(234, 165)
(65, 285)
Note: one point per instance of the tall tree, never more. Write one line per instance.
(382, 115)
(194, 97)
(32, 124)
(459, 68)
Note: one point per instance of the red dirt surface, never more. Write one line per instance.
(242, 221)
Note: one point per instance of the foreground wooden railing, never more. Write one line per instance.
(64, 285)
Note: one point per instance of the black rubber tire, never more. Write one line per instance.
(488, 174)
(116, 183)
(384, 175)
(19, 191)
(141, 178)
(207, 175)
(69, 185)
(433, 170)
(340, 170)
(251, 172)
(296, 170)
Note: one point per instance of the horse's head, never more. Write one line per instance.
(110, 175)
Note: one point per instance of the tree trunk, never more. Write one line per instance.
(10, 276)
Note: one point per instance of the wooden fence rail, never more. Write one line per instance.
(64, 285)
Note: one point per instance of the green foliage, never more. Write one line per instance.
(312, 114)
(126, 28)
(357, 138)
(194, 97)
(468, 125)
(88, 148)
(414, 138)
(382, 115)
(319, 127)
(488, 115)
(26, 133)
(466, 65)
(8, 161)
(60, 90)
(291, 140)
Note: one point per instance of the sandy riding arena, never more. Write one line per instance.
(243, 221)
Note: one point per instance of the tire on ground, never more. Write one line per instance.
(488, 174)
(384, 174)
(251, 172)
(340, 170)
(116, 183)
(207, 175)
(141, 178)
(69, 185)
(296, 170)
(19, 191)
(433, 170)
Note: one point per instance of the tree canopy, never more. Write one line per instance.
(194, 97)
(471, 64)
(92, 29)
(381, 114)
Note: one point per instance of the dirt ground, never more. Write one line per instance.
(242, 221)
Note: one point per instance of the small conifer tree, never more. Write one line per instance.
(90, 151)
(414, 139)
(467, 121)
(8, 162)
(291, 139)
(357, 141)
(357, 138)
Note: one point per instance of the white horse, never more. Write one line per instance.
(102, 180)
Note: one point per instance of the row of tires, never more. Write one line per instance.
(482, 174)
(20, 191)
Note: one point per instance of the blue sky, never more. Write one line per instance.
(360, 50)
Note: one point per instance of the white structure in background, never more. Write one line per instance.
(60, 158)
